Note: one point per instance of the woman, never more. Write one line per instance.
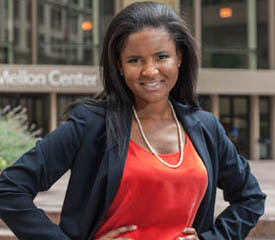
(145, 161)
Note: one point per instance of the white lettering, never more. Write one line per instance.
(12, 79)
(42, 79)
(66, 80)
(90, 80)
(54, 78)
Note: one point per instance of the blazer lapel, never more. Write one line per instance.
(194, 129)
(116, 165)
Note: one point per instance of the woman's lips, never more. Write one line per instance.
(151, 86)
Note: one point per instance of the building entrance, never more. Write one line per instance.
(235, 120)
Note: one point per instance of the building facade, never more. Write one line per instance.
(49, 55)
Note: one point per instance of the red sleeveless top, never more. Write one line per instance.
(161, 201)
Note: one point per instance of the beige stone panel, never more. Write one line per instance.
(236, 82)
(19, 75)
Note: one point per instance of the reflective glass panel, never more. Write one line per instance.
(15, 31)
(235, 120)
(205, 102)
(64, 101)
(264, 128)
(262, 34)
(224, 33)
(234, 34)
(71, 32)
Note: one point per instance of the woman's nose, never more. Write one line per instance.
(150, 70)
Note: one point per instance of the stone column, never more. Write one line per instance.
(197, 20)
(214, 99)
(252, 33)
(53, 111)
(96, 32)
(34, 27)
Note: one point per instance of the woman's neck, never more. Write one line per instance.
(156, 111)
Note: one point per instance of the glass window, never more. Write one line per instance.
(69, 32)
(64, 100)
(224, 34)
(40, 14)
(28, 10)
(224, 105)
(88, 4)
(56, 18)
(107, 8)
(16, 36)
(264, 128)
(228, 39)
(72, 34)
(240, 106)
(262, 34)
(16, 8)
(15, 32)
(75, 2)
(205, 102)
(235, 120)
(73, 17)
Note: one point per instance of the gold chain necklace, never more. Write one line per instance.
(150, 146)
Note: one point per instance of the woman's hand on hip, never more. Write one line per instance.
(116, 232)
(192, 234)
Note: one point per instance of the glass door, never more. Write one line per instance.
(235, 120)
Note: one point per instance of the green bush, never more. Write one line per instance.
(16, 135)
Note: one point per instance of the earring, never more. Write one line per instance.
(179, 65)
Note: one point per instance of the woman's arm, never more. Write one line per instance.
(36, 171)
(240, 189)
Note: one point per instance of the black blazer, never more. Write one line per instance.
(79, 145)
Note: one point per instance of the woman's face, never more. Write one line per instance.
(150, 64)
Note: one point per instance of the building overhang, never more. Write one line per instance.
(236, 82)
(49, 78)
(85, 79)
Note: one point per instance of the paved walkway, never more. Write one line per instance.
(264, 171)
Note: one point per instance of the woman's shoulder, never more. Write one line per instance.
(196, 113)
(203, 115)
(86, 116)
(87, 109)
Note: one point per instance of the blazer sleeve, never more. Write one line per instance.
(240, 189)
(36, 171)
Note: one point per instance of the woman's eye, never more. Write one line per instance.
(162, 57)
(133, 60)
